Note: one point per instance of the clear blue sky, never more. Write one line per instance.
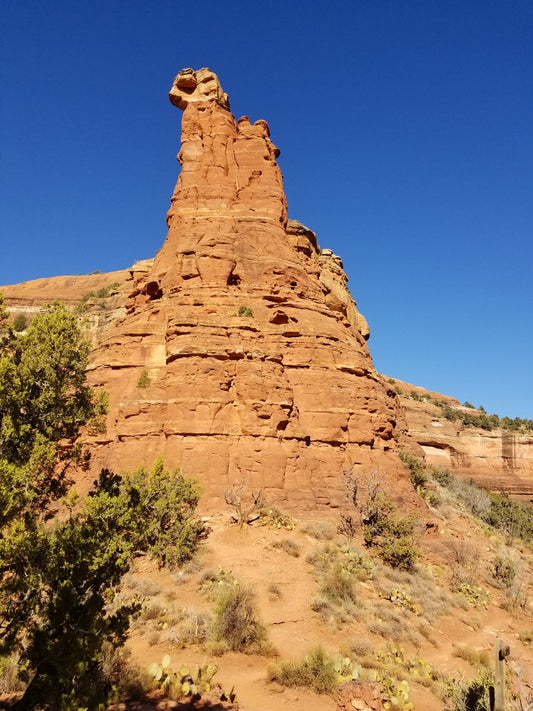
(406, 137)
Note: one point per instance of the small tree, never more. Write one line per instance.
(394, 537)
(144, 379)
(58, 577)
(244, 503)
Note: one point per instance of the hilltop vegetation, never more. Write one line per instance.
(468, 415)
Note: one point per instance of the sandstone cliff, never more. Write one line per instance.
(499, 459)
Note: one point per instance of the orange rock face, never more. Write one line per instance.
(255, 354)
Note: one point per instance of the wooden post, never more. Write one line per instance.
(501, 651)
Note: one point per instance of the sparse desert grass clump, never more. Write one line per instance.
(213, 580)
(236, 623)
(152, 610)
(145, 587)
(288, 546)
(337, 571)
(188, 569)
(275, 518)
(516, 597)
(474, 657)
(465, 553)
(10, 681)
(320, 530)
(359, 647)
(190, 626)
(316, 671)
(274, 591)
(433, 600)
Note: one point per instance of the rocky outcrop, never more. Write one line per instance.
(498, 459)
(69, 289)
(99, 297)
(256, 356)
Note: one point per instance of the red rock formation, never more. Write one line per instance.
(254, 349)
(255, 353)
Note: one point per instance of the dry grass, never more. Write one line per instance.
(274, 591)
(360, 647)
(316, 671)
(320, 530)
(464, 552)
(474, 657)
(190, 627)
(288, 546)
(236, 623)
(145, 587)
(9, 679)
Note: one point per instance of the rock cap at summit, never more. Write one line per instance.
(192, 86)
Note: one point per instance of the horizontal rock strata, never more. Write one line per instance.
(499, 459)
(254, 355)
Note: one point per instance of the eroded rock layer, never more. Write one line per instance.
(500, 460)
(253, 356)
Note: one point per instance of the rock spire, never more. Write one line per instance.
(256, 356)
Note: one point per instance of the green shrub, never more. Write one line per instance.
(504, 570)
(245, 311)
(144, 379)
(236, 622)
(499, 511)
(393, 536)
(165, 501)
(483, 421)
(105, 291)
(316, 671)
(515, 518)
(416, 467)
(468, 695)
(20, 323)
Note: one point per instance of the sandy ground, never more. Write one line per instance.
(286, 586)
